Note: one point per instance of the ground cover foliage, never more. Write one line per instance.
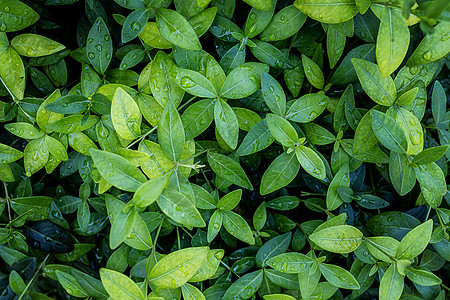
(222, 149)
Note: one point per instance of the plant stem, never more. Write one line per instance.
(141, 137)
(34, 276)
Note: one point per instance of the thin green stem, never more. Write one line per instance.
(428, 213)
(141, 137)
(187, 102)
(8, 204)
(41, 265)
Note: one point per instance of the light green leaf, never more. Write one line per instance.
(264, 5)
(382, 247)
(284, 24)
(430, 155)
(210, 267)
(202, 21)
(237, 227)
(171, 132)
(243, 80)
(307, 108)
(119, 285)
(389, 132)
(56, 148)
(391, 284)
(278, 297)
(415, 241)
(229, 170)
(313, 72)
(197, 118)
(411, 127)
(148, 192)
(230, 200)
(311, 162)
(438, 102)
(134, 24)
(125, 115)
(99, 48)
(12, 71)
(291, 262)
(379, 89)
(176, 29)
(194, 83)
(117, 170)
(272, 248)
(339, 277)
(341, 179)
(178, 267)
(245, 287)
(422, 276)
(16, 15)
(36, 156)
(392, 41)
(70, 284)
(282, 130)
(365, 137)
(280, 173)
(328, 11)
(317, 135)
(178, 207)
(81, 143)
(273, 94)
(257, 20)
(191, 292)
(24, 130)
(269, 54)
(257, 139)
(121, 228)
(432, 178)
(434, 46)
(338, 239)
(9, 154)
(215, 223)
(246, 118)
(226, 123)
(34, 45)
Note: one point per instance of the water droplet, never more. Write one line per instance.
(6, 8)
(90, 40)
(216, 225)
(413, 70)
(91, 55)
(312, 115)
(124, 66)
(3, 26)
(252, 16)
(106, 37)
(135, 26)
(98, 47)
(272, 36)
(427, 55)
(187, 82)
(445, 37)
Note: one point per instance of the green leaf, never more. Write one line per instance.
(338, 239)
(171, 132)
(148, 192)
(317, 135)
(202, 21)
(432, 178)
(226, 123)
(230, 200)
(258, 20)
(99, 48)
(229, 170)
(34, 45)
(125, 115)
(246, 286)
(35, 155)
(117, 170)
(246, 118)
(313, 72)
(391, 284)
(415, 241)
(422, 277)
(389, 132)
(191, 292)
(176, 29)
(234, 57)
(119, 285)
(194, 83)
(243, 80)
(402, 175)
(438, 102)
(269, 54)
(282, 130)
(203, 198)
(237, 227)
(178, 267)
(197, 118)
(12, 71)
(280, 173)
(273, 94)
(392, 41)
(311, 162)
(272, 248)
(307, 108)
(291, 262)
(379, 89)
(430, 155)
(433, 46)
(278, 297)
(178, 207)
(68, 104)
(257, 139)
(260, 217)
(24, 130)
(210, 267)
(38, 205)
(9, 154)
(341, 179)
(382, 247)
(121, 228)
(309, 280)
(70, 284)
(328, 11)
(339, 277)
(15, 16)
(215, 223)
(161, 81)
(265, 5)
(411, 127)
(284, 24)
(134, 24)
(294, 77)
